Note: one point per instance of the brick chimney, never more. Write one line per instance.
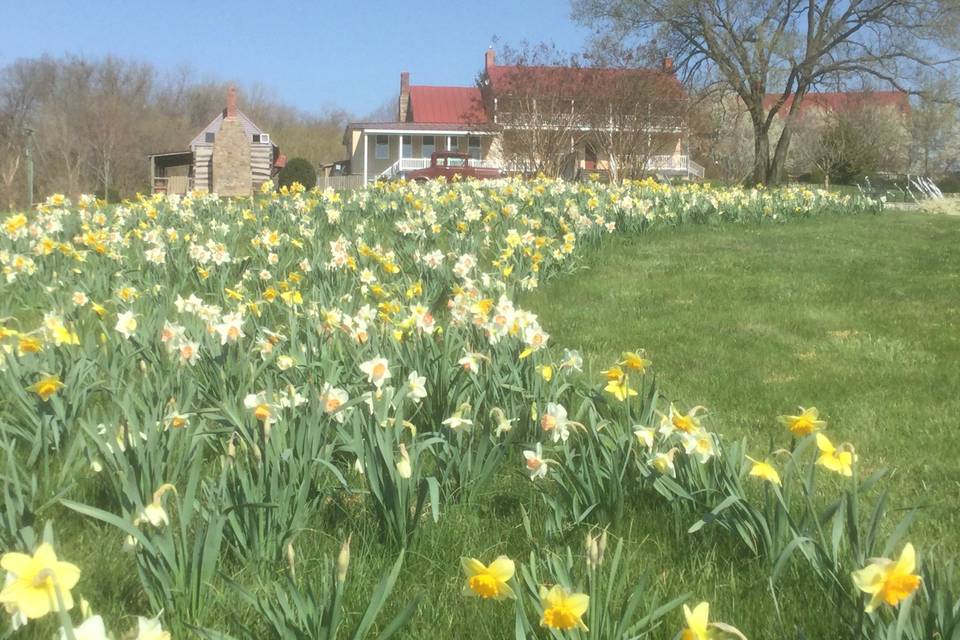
(668, 64)
(490, 60)
(403, 104)
(231, 101)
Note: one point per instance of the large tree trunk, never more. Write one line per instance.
(775, 170)
(761, 153)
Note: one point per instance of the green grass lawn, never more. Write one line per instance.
(857, 316)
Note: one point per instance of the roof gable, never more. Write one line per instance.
(248, 126)
(447, 105)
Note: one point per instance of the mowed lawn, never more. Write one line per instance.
(859, 317)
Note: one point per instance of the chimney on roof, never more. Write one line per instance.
(231, 101)
(403, 104)
(490, 60)
(668, 64)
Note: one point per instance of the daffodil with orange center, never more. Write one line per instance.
(563, 609)
(488, 582)
(698, 622)
(46, 387)
(888, 581)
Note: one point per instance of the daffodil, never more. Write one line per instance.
(563, 609)
(90, 629)
(46, 387)
(154, 513)
(488, 582)
(663, 462)
(403, 464)
(635, 361)
(678, 421)
(536, 464)
(150, 629)
(697, 622)
(126, 324)
(554, 421)
(37, 581)
(804, 424)
(888, 581)
(764, 471)
(620, 388)
(377, 370)
(836, 460)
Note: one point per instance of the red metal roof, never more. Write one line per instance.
(447, 105)
(570, 82)
(838, 101)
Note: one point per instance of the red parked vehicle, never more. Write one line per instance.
(449, 164)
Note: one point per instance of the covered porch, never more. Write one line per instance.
(384, 151)
(171, 172)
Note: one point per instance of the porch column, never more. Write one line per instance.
(400, 153)
(364, 138)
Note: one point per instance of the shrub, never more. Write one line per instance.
(298, 170)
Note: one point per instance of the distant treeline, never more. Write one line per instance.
(95, 121)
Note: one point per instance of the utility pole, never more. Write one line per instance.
(29, 156)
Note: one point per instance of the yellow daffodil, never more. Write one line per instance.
(563, 609)
(698, 622)
(764, 471)
(46, 387)
(37, 579)
(635, 361)
(888, 581)
(805, 423)
(620, 388)
(836, 460)
(488, 581)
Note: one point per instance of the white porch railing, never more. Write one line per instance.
(675, 165)
(412, 164)
(669, 165)
(401, 165)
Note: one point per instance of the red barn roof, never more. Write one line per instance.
(447, 105)
(839, 101)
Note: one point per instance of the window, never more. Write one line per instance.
(454, 144)
(473, 147)
(383, 148)
(407, 146)
(455, 162)
(208, 136)
(427, 146)
(256, 137)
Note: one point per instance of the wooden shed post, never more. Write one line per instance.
(364, 158)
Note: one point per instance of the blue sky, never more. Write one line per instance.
(311, 54)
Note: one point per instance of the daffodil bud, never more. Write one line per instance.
(593, 552)
(343, 560)
(291, 557)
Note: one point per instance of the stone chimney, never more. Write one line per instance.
(232, 173)
(668, 65)
(490, 60)
(403, 105)
(231, 101)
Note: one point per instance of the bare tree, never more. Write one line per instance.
(849, 139)
(786, 47)
(634, 115)
(936, 125)
(23, 86)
